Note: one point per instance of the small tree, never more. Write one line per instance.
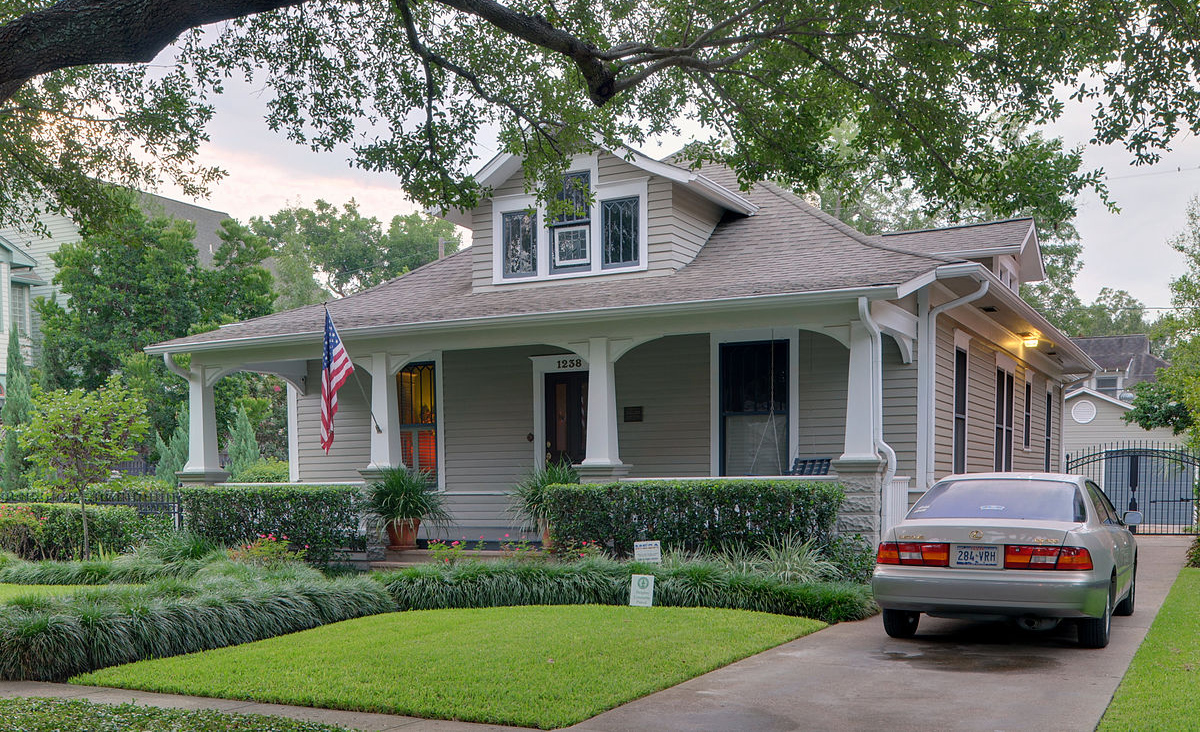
(243, 446)
(18, 404)
(173, 455)
(79, 436)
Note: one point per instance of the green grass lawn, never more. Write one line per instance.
(1161, 689)
(56, 715)
(531, 666)
(7, 592)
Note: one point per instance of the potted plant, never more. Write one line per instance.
(530, 500)
(402, 498)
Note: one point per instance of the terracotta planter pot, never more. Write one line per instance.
(547, 540)
(402, 534)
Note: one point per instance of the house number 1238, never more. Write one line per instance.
(570, 363)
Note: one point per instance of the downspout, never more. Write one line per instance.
(927, 362)
(864, 315)
(175, 368)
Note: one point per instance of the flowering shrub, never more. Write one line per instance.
(20, 530)
(521, 549)
(572, 550)
(268, 550)
(454, 551)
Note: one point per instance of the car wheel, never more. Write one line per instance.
(1094, 632)
(1125, 607)
(901, 623)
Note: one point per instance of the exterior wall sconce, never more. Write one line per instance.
(1030, 340)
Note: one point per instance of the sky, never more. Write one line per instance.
(1125, 250)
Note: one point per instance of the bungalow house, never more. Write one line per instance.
(675, 326)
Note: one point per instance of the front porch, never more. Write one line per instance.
(482, 412)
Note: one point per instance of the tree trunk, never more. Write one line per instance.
(87, 547)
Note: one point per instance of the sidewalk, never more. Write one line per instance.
(955, 675)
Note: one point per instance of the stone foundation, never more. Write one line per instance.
(862, 509)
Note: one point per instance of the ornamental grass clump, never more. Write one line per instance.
(52, 638)
(178, 554)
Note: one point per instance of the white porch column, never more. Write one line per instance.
(603, 460)
(385, 428)
(203, 464)
(860, 388)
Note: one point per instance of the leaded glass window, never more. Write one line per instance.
(571, 227)
(519, 236)
(571, 246)
(619, 228)
(574, 195)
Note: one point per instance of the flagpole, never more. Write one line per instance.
(357, 380)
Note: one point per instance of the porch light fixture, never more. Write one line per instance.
(1030, 340)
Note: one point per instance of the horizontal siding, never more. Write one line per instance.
(822, 378)
(900, 407)
(1108, 426)
(669, 379)
(351, 449)
(660, 226)
(481, 245)
(695, 219)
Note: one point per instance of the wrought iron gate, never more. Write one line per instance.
(1157, 478)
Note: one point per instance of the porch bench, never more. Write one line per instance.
(810, 466)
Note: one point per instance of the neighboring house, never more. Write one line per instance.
(31, 271)
(1124, 362)
(676, 327)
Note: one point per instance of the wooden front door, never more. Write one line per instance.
(566, 416)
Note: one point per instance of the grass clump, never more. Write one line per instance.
(178, 554)
(1163, 675)
(54, 715)
(702, 583)
(9, 592)
(225, 603)
(542, 667)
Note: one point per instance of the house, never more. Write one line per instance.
(674, 326)
(25, 263)
(1124, 362)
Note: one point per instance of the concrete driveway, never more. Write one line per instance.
(954, 675)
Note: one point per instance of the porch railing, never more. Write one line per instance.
(895, 501)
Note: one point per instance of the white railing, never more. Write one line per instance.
(895, 501)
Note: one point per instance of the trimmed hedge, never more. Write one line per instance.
(694, 515)
(323, 518)
(605, 582)
(60, 534)
(54, 637)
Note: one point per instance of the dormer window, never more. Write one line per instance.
(595, 227)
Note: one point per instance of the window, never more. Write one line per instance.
(417, 388)
(619, 227)
(1107, 383)
(754, 417)
(1028, 411)
(1049, 423)
(1004, 420)
(960, 411)
(569, 230)
(19, 306)
(519, 237)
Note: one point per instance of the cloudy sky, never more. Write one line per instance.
(1126, 250)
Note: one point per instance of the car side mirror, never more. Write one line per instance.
(1132, 518)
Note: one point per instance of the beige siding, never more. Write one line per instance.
(1107, 427)
(481, 245)
(351, 449)
(669, 379)
(822, 377)
(61, 230)
(900, 407)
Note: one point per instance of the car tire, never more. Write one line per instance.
(901, 623)
(1125, 607)
(1094, 632)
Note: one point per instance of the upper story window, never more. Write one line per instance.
(596, 227)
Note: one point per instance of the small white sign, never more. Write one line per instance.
(641, 590)
(647, 551)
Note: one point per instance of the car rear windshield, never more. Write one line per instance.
(1034, 500)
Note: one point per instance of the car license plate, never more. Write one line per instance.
(978, 556)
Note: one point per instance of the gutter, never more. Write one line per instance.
(864, 315)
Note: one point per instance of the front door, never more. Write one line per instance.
(566, 416)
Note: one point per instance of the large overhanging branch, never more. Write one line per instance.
(85, 32)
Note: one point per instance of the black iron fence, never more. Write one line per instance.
(1157, 478)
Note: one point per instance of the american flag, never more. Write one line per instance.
(335, 369)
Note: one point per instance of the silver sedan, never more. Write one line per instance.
(1034, 548)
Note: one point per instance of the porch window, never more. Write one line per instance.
(569, 231)
(959, 449)
(1049, 429)
(1004, 420)
(519, 241)
(754, 417)
(417, 387)
(619, 227)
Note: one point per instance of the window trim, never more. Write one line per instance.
(546, 269)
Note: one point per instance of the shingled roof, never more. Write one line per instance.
(965, 238)
(787, 247)
(1128, 353)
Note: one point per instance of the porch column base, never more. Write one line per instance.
(862, 479)
(202, 477)
(376, 548)
(372, 473)
(602, 473)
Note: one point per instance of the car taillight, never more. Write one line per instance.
(1022, 556)
(913, 554)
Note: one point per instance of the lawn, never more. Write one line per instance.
(531, 666)
(55, 715)
(8, 592)
(1161, 689)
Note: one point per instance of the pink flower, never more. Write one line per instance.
(506, 536)
(454, 543)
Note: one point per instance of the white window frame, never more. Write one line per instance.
(546, 252)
